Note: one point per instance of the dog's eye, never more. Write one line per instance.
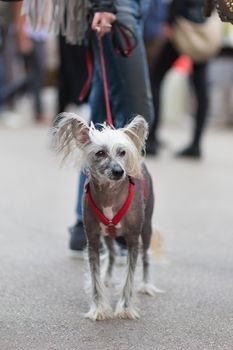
(100, 153)
(121, 153)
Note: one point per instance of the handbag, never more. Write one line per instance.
(199, 41)
(225, 10)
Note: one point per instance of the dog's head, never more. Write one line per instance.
(108, 154)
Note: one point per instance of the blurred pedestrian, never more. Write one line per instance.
(191, 10)
(4, 23)
(31, 47)
(152, 32)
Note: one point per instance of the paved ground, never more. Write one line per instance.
(42, 298)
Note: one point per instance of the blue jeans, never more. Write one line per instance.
(128, 79)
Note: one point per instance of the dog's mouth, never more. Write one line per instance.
(117, 177)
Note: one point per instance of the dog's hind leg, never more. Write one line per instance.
(100, 309)
(146, 237)
(124, 307)
(111, 259)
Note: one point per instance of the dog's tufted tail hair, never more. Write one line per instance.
(157, 246)
(69, 133)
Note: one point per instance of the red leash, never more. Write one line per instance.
(105, 83)
(124, 41)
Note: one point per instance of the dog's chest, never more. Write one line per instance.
(109, 213)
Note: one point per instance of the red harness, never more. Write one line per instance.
(111, 224)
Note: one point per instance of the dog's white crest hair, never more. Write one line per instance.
(71, 132)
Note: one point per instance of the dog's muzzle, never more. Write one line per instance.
(117, 172)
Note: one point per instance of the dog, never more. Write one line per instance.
(118, 201)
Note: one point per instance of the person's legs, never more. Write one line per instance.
(38, 78)
(166, 58)
(199, 80)
(63, 77)
(72, 73)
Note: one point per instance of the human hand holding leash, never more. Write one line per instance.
(102, 22)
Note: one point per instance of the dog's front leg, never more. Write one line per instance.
(100, 308)
(111, 259)
(124, 307)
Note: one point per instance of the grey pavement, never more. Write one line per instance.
(42, 293)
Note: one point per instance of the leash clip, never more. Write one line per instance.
(111, 229)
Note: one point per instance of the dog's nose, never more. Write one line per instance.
(117, 171)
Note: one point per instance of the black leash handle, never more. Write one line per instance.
(123, 38)
(124, 41)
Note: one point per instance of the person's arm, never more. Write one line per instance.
(103, 15)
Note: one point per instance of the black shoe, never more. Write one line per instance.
(154, 145)
(151, 147)
(190, 152)
(78, 240)
(121, 251)
(121, 242)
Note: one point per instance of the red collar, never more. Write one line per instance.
(117, 218)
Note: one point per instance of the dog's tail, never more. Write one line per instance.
(157, 245)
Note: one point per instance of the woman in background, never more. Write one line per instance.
(192, 10)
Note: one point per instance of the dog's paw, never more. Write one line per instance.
(126, 313)
(149, 289)
(100, 313)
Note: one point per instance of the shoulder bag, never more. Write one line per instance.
(199, 41)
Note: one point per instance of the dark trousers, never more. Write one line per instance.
(198, 77)
(72, 73)
(35, 75)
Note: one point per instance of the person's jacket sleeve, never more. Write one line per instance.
(103, 6)
(174, 10)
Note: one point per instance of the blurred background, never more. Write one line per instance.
(36, 81)
(40, 76)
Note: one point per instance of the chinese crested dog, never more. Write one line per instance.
(118, 201)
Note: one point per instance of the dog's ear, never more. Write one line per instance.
(137, 131)
(69, 132)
